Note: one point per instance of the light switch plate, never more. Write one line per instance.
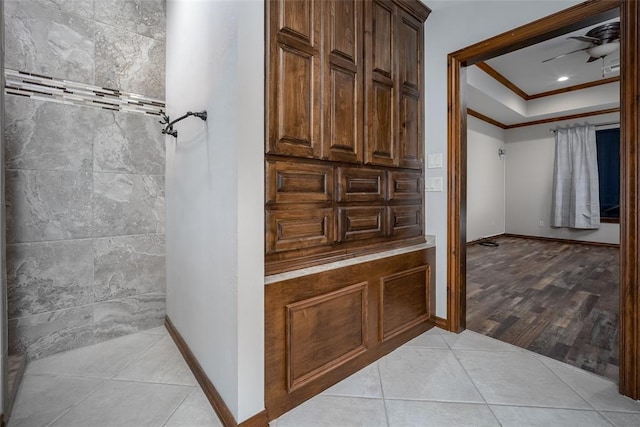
(434, 161)
(434, 183)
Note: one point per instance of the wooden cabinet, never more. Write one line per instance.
(344, 145)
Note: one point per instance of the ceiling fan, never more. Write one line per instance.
(604, 40)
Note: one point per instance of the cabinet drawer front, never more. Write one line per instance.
(404, 301)
(361, 185)
(287, 230)
(405, 221)
(360, 223)
(405, 186)
(289, 182)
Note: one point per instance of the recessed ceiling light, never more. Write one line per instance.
(563, 79)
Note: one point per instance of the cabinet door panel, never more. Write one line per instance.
(360, 223)
(295, 78)
(410, 51)
(361, 185)
(343, 82)
(411, 143)
(405, 186)
(405, 221)
(291, 182)
(296, 19)
(287, 230)
(382, 36)
(381, 140)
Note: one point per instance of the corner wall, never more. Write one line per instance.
(85, 171)
(485, 180)
(215, 196)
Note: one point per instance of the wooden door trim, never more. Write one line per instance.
(554, 25)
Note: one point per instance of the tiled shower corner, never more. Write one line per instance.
(85, 171)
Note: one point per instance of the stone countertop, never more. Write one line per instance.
(294, 274)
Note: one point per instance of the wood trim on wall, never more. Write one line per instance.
(524, 95)
(629, 344)
(561, 118)
(442, 323)
(558, 240)
(216, 401)
(502, 80)
(487, 119)
(575, 87)
(568, 20)
(491, 121)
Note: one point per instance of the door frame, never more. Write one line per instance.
(574, 18)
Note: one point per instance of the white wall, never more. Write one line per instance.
(214, 193)
(529, 183)
(451, 26)
(485, 180)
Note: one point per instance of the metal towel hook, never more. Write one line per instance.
(169, 130)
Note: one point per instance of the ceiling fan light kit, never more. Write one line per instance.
(604, 40)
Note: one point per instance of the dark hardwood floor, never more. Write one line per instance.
(557, 299)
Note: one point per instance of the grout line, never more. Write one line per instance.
(178, 407)
(100, 386)
(84, 238)
(86, 172)
(135, 359)
(384, 400)
(566, 383)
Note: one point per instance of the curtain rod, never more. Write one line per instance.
(596, 125)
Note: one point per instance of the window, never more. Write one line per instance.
(608, 145)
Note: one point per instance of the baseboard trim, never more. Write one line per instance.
(484, 239)
(216, 401)
(442, 323)
(557, 240)
(258, 420)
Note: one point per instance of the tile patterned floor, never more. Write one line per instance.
(134, 381)
(438, 379)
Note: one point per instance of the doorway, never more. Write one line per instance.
(560, 23)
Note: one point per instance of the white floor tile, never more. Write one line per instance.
(96, 361)
(519, 416)
(403, 413)
(364, 383)
(601, 393)
(124, 403)
(195, 411)
(414, 373)
(162, 363)
(517, 378)
(160, 330)
(43, 398)
(430, 339)
(334, 411)
(623, 419)
(469, 340)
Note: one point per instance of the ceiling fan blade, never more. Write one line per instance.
(592, 59)
(585, 39)
(565, 54)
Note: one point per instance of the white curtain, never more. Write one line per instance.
(576, 199)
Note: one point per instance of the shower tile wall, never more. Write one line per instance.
(84, 185)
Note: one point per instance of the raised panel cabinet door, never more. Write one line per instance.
(297, 229)
(405, 221)
(295, 182)
(361, 185)
(381, 84)
(361, 223)
(294, 81)
(409, 44)
(404, 186)
(343, 101)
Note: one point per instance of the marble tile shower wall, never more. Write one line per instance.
(84, 185)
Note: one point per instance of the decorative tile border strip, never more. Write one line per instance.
(46, 88)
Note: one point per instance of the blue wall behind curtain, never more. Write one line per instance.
(608, 143)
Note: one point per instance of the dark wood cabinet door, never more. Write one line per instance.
(409, 43)
(343, 73)
(294, 86)
(361, 223)
(381, 99)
